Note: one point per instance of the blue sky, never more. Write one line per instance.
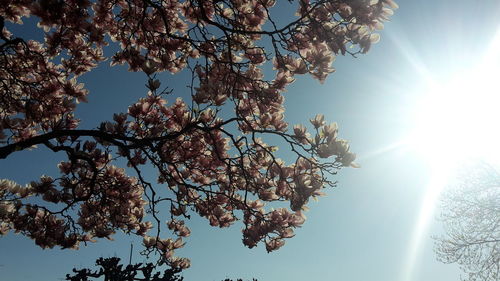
(371, 227)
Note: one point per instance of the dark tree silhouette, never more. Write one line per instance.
(112, 270)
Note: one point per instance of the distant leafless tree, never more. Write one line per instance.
(471, 217)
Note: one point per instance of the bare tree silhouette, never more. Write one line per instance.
(471, 217)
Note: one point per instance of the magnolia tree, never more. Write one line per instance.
(214, 164)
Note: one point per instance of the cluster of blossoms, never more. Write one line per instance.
(213, 164)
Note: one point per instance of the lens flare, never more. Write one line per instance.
(457, 121)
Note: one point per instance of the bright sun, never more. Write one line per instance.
(459, 119)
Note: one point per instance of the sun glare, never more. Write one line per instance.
(456, 121)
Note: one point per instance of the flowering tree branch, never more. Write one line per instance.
(209, 160)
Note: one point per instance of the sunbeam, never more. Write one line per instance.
(456, 122)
